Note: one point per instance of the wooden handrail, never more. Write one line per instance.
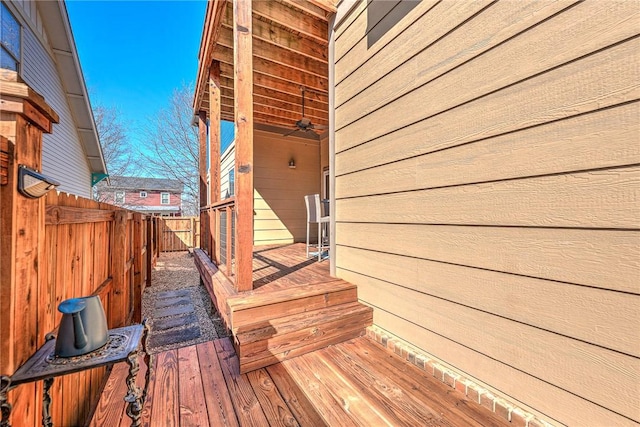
(219, 205)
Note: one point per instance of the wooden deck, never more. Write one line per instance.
(355, 383)
(280, 267)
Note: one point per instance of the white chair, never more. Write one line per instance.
(314, 215)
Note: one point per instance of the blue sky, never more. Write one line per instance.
(135, 53)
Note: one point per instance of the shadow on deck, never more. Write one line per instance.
(352, 383)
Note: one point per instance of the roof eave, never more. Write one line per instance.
(56, 20)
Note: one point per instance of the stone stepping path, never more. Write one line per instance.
(174, 319)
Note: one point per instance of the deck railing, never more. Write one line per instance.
(218, 234)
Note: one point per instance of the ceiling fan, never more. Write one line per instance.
(304, 124)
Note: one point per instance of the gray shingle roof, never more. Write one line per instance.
(139, 183)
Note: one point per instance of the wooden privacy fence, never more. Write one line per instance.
(54, 248)
(89, 248)
(178, 233)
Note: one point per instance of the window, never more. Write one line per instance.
(232, 182)
(164, 198)
(9, 39)
(384, 15)
(143, 194)
(119, 196)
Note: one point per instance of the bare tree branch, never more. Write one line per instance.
(171, 148)
(115, 145)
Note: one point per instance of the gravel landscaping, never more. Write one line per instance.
(177, 306)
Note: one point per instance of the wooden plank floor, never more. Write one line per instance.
(279, 267)
(356, 383)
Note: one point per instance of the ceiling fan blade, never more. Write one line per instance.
(320, 127)
(292, 132)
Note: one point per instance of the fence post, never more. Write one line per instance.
(150, 248)
(118, 269)
(137, 267)
(192, 235)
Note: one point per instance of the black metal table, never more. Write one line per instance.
(123, 345)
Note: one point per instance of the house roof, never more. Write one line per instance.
(56, 21)
(140, 183)
(290, 51)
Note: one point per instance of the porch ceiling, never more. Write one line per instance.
(290, 51)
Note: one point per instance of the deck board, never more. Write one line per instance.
(286, 266)
(165, 410)
(193, 409)
(355, 383)
(219, 404)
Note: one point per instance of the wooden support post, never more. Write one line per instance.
(137, 267)
(214, 132)
(214, 151)
(243, 90)
(202, 161)
(118, 270)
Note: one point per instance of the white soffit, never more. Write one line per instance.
(56, 21)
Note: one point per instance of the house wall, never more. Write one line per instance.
(133, 199)
(280, 212)
(63, 156)
(487, 179)
(153, 198)
(227, 162)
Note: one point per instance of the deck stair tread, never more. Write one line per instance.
(265, 342)
(299, 329)
(249, 310)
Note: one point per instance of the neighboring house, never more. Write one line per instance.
(484, 166)
(156, 196)
(37, 42)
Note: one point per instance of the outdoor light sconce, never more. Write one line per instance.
(33, 184)
(292, 164)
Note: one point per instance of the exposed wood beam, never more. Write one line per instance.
(243, 89)
(279, 84)
(274, 69)
(275, 53)
(293, 107)
(272, 88)
(286, 37)
(317, 9)
(330, 6)
(292, 20)
(289, 117)
(212, 25)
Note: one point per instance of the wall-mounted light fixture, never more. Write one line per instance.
(33, 184)
(292, 164)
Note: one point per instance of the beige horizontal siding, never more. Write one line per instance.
(604, 259)
(608, 320)
(487, 176)
(506, 380)
(576, 143)
(280, 213)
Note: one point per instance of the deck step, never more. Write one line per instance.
(253, 307)
(266, 342)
